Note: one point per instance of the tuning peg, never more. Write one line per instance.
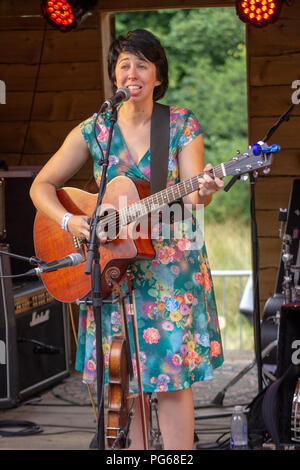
(267, 170)
(244, 177)
(255, 174)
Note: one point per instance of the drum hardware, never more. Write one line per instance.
(287, 258)
(271, 316)
(295, 417)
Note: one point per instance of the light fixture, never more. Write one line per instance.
(66, 15)
(258, 13)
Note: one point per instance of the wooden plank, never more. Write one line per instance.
(106, 22)
(132, 5)
(38, 22)
(14, 23)
(81, 45)
(12, 136)
(17, 106)
(66, 105)
(267, 284)
(269, 252)
(272, 192)
(70, 76)
(47, 136)
(275, 70)
(17, 8)
(11, 159)
(32, 7)
(20, 47)
(18, 77)
(287, 135)
(271, 100)
(286, 162)
(281, 37)
(30, 159)
(267, 223)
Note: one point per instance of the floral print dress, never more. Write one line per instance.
(179, 336)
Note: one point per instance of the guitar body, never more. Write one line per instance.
(51, 242)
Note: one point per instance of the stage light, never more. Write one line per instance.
(66, 15)
(258, 13)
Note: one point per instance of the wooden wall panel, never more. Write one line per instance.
(273, 64)
(132, 5)
(271, 100)
(21, 47)
(65, 105)
(275, 70)
(53, 82)
(17, 8)
(69, 76)
(18, 77)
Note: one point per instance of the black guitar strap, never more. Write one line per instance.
(159, 147)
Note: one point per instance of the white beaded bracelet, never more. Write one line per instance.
(65, 220)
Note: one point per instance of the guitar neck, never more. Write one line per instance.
(166, 196)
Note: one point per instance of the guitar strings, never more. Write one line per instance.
(217, 171)
(131, 210)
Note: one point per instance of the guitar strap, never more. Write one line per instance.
(159, 150)
(159, 147)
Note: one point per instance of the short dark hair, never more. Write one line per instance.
(141, 43)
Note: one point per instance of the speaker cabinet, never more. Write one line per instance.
(8, 337)
(34, 339)
(17, 214)
(42, 339)
(288, 354)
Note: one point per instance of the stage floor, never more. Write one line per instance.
(63, 417)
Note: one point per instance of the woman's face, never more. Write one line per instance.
(138, 74)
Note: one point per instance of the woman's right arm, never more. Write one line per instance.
(67, 161)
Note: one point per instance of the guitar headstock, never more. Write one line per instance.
(255, 158)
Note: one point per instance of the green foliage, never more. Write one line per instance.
(207, 74)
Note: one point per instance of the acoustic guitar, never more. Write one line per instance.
(130, 237)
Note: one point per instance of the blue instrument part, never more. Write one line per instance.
(272, 149)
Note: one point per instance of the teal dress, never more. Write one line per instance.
(179, 335)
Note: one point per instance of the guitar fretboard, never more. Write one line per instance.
(166, 196)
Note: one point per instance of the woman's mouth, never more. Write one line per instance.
(134, 87)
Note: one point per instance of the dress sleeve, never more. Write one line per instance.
(184, 128)
(86, 128)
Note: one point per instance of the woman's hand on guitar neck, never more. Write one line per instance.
(208, 185)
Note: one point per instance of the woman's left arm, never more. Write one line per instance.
(191, 163)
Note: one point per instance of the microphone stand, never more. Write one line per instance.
(255, 251)
(93, 268)
(32, 260)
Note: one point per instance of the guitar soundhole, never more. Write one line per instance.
(109, 224)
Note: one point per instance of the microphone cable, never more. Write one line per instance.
(29, 428)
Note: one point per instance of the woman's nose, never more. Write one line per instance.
(132, 72)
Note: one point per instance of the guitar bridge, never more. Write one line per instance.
(79, 246)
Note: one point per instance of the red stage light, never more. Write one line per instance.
(258, 12)
(66, 15)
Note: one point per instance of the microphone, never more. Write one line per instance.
(71, 260)
(122, 94)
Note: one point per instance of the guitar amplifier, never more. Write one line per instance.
(34, 339)
(17, 213)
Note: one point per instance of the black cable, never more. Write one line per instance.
(29, 428)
